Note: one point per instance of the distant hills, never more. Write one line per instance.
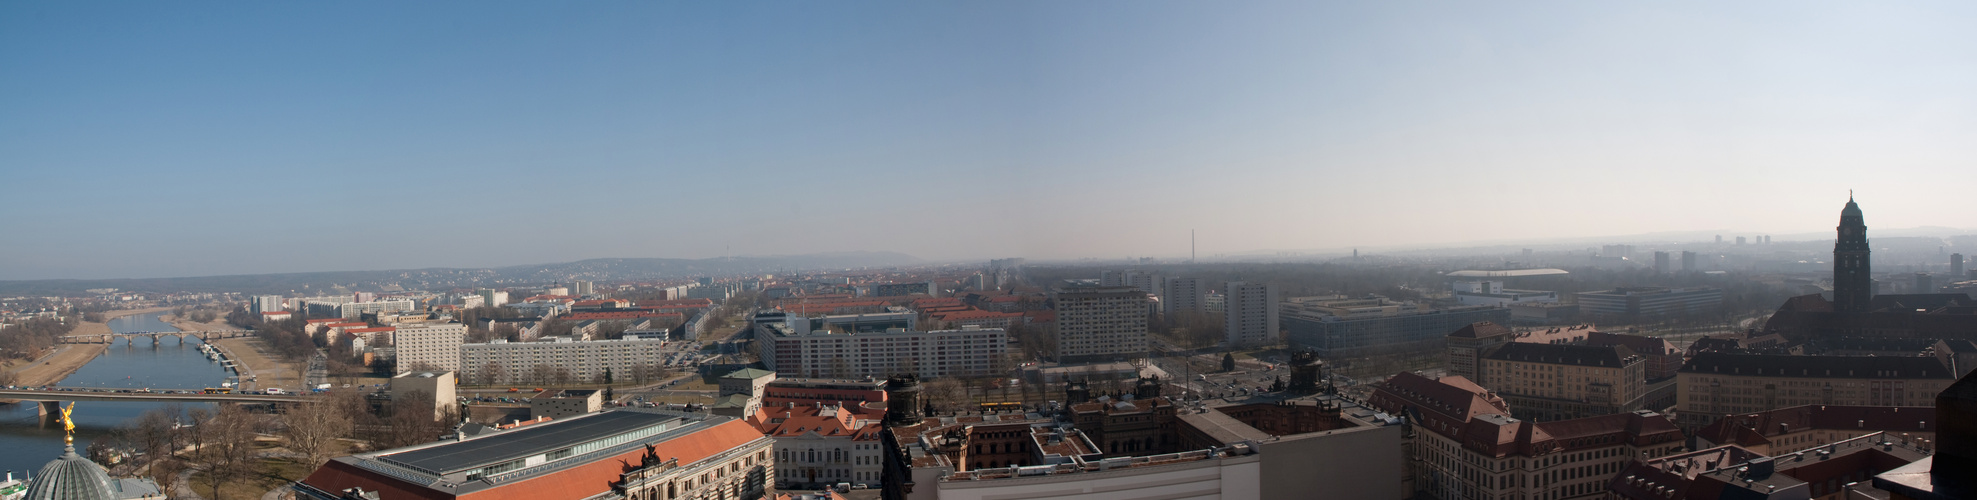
(626, 269)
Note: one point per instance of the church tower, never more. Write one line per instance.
(1853, 282)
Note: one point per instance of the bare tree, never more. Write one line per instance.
(945, 394)
(312, 429)
(227, 452)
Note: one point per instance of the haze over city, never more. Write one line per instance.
(155, 140)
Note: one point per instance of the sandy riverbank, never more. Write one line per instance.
(67, 359)
(268, 368)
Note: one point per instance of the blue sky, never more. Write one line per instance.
(176, 139)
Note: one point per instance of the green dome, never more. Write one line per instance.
(71, 477)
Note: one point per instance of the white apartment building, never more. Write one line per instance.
(267, 303)
(1099, 323)
(967, 352)
(1189, 295)
(437, 346)
(515, 362)
(1249, 314)
(491, 298)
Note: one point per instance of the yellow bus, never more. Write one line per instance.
(219, 390)
(1000, 407)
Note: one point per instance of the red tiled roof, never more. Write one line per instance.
(619, 315)
(371, 330)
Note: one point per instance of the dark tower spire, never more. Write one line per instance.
(1853, 280)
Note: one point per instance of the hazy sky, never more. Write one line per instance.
(142, 139)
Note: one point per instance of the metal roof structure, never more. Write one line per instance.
(525, 442)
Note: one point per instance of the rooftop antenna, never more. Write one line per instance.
(1191, 253)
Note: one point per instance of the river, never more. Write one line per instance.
(26, 445)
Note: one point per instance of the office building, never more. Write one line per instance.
(1566, 381)
(1956, 268)
(546, 361)
(1339, 327)
(430, 347)
(1715, 384)
(1184, 296)
(1466, 445)
(927, 288)
(1100, 323)
(584, 287)
(1923, 284)
(1689, 262)
(1492, 293)
(624, 453)
(1650, 301)
(354, 310)
(1250, 314)
(967, 352)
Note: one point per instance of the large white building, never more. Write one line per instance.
(267, 303)
(436, 346)
(1100, 323)
(1184, 295)
(1249, 314)
(967, 352)
(1492, 293)
(352, 310)
(504, 362)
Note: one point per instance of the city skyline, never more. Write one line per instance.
(167, 140)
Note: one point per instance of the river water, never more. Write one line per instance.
(26, 444)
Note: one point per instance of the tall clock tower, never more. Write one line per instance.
(1853, 282)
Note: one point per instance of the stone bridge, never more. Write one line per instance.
(51, 399)
(129, 337)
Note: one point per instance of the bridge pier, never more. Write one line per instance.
(51, 411)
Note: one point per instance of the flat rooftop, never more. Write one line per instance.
(524, 442)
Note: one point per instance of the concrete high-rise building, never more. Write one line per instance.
(432, 347)
(1956, 267)
(1145, 281)
(1740, 240)
(1924, 284)
(1689, 262)
(584, 287)
(491, 298)
(272, 303)
(1184, 295)
(1853, 277)
(1100, 323)
(1111, 278)
(1661, 262)
(1719, 239)
(1249, 316)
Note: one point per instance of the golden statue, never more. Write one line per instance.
(68, 426)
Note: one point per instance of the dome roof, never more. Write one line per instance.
(71, 477)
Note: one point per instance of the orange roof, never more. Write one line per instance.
(371, 330)
(619, 315)
(575, 482)
(677, 302)
(961, 315)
